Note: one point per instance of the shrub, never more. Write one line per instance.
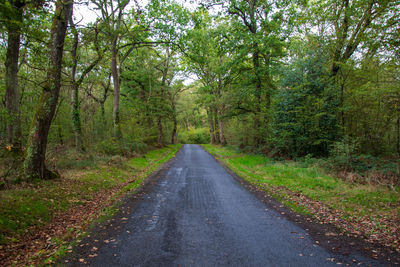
(305, 109)
(344, 153)
(109, 147)
(195, 136)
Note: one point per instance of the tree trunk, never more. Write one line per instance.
(215, 126)
(106, 87)
(76, 118)
(173, 136)
(174, 129)
(221, 130)
(103, 113)
(211, 125)
(160, 132)
(163, 84)
(34, 165)
(257, 117)
(11, 65)
(114, 71)
(398, 135)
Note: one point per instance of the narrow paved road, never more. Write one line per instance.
(199, 215)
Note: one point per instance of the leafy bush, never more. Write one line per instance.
(195, 136)
(120, 147)
(344, 152)
(305, 109)
(109, 147)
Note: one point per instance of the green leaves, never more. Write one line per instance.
(305, 109)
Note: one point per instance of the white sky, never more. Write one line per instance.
(85, 14)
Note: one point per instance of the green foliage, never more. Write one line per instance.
(112, 146)
(311, 181)
(344, 151)
(345, 156)
(194, 136)
(305, 109)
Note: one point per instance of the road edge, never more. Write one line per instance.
(327, 236)
(96, 229)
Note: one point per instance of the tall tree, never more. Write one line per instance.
(34, 164)
(112, 17)
(165, 70)
(356, 22)
(256, 43)
(14, 20)
(208, 60)
(77, 81)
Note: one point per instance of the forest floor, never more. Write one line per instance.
(367, 211)
(39, 220)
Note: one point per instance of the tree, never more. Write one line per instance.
(173, 96)
(208, 58)
(305, 108)
(112, 23)
(13, 12)
(34, 164)
(77, 81)
(259, 32)
(355, 22)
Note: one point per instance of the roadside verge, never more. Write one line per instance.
(39, 220)
(341, 216)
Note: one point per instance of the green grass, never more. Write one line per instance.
(36, 203)
(354, 199)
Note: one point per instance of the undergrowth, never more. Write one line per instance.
(26, 205)
(354, 199)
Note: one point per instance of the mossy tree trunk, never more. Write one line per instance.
(215, 125)
(13, 24)
(76, 118)
(160, 139)
(165, 71)
(76, 83)
(34, 165)
(221, 130)
(173, 135)
(115, 76)
(211, 125)
(258, 138)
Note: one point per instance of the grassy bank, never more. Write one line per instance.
(28, 208)
(361, 209)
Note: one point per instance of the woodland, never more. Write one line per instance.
(310, 81)
(285, 78)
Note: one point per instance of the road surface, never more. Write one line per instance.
(199, 215)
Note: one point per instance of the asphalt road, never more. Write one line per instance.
(199, 215)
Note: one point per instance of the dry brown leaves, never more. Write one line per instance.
(37, 245)
(384, 230)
